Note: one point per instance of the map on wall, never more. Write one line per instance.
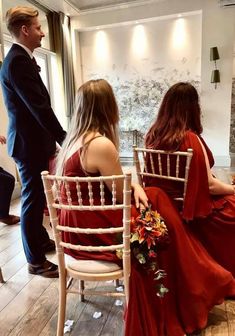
(141, 62)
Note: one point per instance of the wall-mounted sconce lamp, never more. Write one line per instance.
(215, 75)
(214, 54)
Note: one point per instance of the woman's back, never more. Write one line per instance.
(88, 219)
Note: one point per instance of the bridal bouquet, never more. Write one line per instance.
(149, 235)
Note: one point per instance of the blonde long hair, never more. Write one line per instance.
(95, 111)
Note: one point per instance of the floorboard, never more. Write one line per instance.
(28, 303)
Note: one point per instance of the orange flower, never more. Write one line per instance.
(149, 226)
(148, 232)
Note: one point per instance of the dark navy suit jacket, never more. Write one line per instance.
(33, 128)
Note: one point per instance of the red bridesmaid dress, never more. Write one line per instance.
(195, 281)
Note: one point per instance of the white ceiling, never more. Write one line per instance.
(96, 4)
(74, 7)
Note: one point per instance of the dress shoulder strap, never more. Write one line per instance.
(89, 141)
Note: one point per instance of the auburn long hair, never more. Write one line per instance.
(179, 111)
(95, 111)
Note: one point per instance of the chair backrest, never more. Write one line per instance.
(161, 164)
(75, 190)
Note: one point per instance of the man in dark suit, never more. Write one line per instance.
(32, 132)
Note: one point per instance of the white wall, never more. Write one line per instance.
(234, 65)
(218, 29)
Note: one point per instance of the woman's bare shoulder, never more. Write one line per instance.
(102, 144)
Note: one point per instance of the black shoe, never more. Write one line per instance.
(10, 220)
(46, 269)
(49, 246)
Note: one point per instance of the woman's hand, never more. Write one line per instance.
(141, 199)
(2, 140)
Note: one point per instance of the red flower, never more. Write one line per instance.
(149, 227)
(148, 235)
(152, 254)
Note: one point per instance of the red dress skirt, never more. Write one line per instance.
(211, 218)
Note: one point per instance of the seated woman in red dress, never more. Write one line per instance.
(195, 281)
(209, 203)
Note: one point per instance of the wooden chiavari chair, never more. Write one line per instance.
(91, 270)
(161, 164)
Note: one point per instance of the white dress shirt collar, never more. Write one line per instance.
(26, 49)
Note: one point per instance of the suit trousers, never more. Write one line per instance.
(34, 234)
(7, 183)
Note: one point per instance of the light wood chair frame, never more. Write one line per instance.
(66, 274)
(139, 156)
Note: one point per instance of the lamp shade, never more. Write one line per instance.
(215, 76)
(214, 54)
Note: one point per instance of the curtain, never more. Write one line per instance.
(60, 42)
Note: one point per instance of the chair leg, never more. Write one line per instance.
(62, 308)
(117, 283)
(1, 276)
(81, 290)
(126, 288)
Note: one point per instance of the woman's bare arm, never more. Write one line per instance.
(103, 157)
(216, 187)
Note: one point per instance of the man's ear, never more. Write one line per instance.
(25, 30)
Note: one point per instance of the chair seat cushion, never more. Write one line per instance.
(91, 266)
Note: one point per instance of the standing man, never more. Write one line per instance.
(32, 133)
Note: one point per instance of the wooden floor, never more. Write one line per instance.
(28, 304)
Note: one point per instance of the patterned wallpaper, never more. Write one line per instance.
(232, 127)
(138, 100)
(139, 80)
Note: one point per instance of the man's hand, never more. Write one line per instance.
(2, 140)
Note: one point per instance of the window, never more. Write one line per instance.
(51, 79)
(45, 59)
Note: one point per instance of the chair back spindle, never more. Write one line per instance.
(160, 164)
